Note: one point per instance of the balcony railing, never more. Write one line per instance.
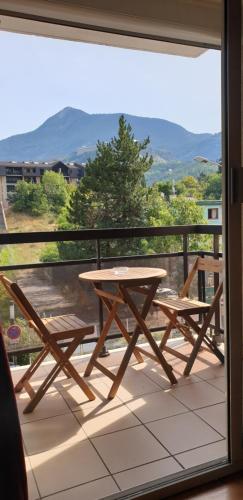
(99, 236)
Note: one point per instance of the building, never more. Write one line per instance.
(212, 210)
(31, 171)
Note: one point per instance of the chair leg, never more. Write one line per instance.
(202, 337)
(167, 333)
(63, 362)
(32, 369)
(43, 388)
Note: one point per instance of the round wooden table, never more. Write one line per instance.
(143, 280)
(121, 274)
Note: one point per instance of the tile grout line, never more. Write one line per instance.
(212, 385)
(205, 421)
(199, 447)
(75, 486)
(200, 408)
(154, 437)
(92, 444)
(35, 480)
(141, 423)
(147, 463)
(45, 418)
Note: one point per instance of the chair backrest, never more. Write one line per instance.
(24, 305)
(208, 264)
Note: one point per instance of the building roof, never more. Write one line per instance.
(40, 164)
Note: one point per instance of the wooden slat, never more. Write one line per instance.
(52, 325)
(177, 354)
(29, 389)
(108, 295)
(210, 265)
(60, 324)
(147, 353)
(64, 323)
(73, 321)
(104, 370)
(183, 305)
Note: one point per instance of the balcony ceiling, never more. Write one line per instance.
(183, 21)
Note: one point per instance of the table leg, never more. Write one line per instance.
(101, 340)
(142, 325)
(123, 330)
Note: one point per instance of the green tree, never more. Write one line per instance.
(165, 187)
(113, 192)
(189, 186)
(213, 187)
(186, 212)
(158, 214)
(29, 198)
(56, 190)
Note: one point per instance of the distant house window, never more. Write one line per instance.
(213, 213)
(13, 179)
(10, 188)
(30, 170)
(13, 171)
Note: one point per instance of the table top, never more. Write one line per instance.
(117, 274)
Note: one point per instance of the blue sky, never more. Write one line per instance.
(40, 76)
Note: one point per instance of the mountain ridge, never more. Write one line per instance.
(69, 133)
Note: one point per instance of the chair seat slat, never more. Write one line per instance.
(63, 323)
(184, 304)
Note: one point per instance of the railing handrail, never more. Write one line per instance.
(110, 233)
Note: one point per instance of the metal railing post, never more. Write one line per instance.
(104, 351)
(216, 284)
(185, 256)
(201, 286)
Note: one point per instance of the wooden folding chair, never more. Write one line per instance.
(180, 311)
(53, 332)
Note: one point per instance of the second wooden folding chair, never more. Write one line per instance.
(181, 310)
(53, 332)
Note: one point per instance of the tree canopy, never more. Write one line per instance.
(56, 190)
(29, 198)
(213, 187)
(113, 193)
(51, 194)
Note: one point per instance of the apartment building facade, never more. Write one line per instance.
(31, 171)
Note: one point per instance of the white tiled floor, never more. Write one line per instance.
(90, 450)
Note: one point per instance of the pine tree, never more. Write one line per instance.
(113, 192)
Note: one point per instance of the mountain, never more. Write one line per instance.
(72, 134)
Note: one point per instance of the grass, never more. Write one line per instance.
(27, 253)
